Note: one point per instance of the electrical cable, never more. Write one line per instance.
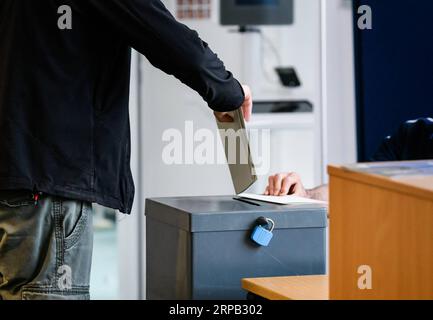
(266, 40)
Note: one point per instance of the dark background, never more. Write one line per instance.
(394, 69)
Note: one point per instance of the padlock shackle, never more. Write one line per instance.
(272, 224)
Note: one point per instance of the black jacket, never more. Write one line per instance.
(64, 121)
(412, 141)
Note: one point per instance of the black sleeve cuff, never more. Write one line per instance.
(231, 99)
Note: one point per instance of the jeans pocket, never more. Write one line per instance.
(46, 293)
(76, 222)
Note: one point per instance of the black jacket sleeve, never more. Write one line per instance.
(148, 27)
(412, 141)
(387, 151)
(392, 147)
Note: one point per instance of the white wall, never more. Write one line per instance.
(130, 228)
(339, 116)
(299, 45)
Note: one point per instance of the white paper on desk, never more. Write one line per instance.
(280, 200)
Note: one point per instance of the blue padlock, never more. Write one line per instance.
(261, 235)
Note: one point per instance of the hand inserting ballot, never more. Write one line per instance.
(246, 107)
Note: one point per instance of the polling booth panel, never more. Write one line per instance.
(201, 247)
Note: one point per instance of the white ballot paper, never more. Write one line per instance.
(280, 199)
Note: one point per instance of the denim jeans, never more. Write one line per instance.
(45, 248)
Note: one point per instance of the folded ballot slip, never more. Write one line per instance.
(237, 150)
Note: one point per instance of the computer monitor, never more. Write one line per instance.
(256, 12)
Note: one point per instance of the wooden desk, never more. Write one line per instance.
(385, 224)
(289, 288)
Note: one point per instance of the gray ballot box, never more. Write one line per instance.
(200, 247)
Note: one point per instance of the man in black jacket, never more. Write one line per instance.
(64, 126)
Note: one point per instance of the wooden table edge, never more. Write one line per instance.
(250, 285)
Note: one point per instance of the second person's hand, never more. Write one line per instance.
(283, 184)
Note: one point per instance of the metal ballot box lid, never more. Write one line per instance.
(224, 213)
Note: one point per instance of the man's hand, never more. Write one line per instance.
(285, 183)
(247, 108)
